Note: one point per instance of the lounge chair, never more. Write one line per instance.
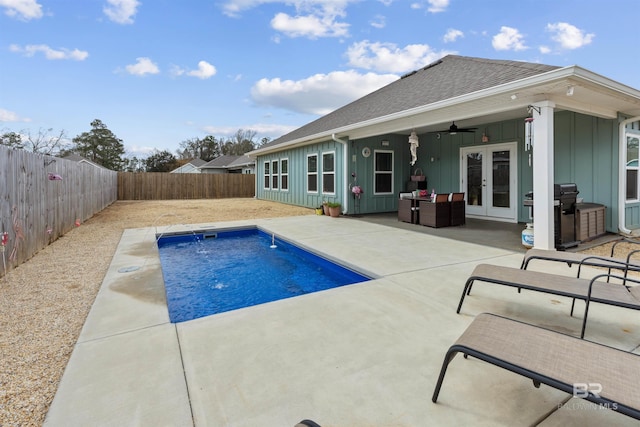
(603, 375)
(588, 290)
(625, 264)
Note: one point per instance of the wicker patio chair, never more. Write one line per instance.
(557, 360)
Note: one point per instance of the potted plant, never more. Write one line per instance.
(325, 207)
(334, 209)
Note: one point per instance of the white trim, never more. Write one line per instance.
(392, 172)
(284, 159)
(275, 174)
(622, 174)
(323, 173)
(266, 165)
(488, 212)
(306, 167)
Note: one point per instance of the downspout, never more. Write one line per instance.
(345, 153)
(622, 174)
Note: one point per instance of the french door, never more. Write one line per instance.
(488, 177)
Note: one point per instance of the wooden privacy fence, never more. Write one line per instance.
(35, 210)
(166, 186)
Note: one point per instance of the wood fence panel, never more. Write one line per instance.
(168, 186)
(35, 210)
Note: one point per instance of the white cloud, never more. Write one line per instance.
(544, 49)
(387, 57)
(311, 26)
(436, 6)
(320, 93)
(204, 71)
(261, 129)
(49, 53)
(142, 66)
(121, 11)
(452, 35)
(569, 36)
(139, 151)
(312, 18)
(379, 21)
(10, 116)
(22, 9)
(508, 39)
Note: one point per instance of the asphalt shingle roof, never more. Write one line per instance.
(446, 78)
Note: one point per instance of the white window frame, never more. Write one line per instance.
(631, 134)
(332, 173)
(284, 176)
(377, 172)
(312, 173)
(275, 170)
(266, 180)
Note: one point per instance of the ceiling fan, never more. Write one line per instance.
(453, 129)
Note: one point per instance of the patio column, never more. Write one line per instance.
(543, 180)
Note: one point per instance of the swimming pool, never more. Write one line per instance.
(214, 272)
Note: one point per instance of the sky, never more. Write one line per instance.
(160, 72)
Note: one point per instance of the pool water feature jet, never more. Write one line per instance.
(273, 241)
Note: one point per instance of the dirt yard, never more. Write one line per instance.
(45, 301)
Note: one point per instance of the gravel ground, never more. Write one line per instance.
(45, 301)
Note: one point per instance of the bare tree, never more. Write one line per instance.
(45, 141)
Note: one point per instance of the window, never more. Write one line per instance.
(312, 173)
(328, 173)
(284, 174)
(383, 172)
(633, 142)
(267, 175)
(274, 175)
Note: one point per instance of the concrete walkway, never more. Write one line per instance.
(362, 355)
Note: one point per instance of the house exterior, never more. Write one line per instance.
(78, 158)
(584, 131)
(192, 166)
(229, 164)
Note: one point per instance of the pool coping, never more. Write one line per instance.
(364, 354)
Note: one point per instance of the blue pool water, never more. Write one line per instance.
(237, 269)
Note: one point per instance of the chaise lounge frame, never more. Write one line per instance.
(557, 360)
(588, 290)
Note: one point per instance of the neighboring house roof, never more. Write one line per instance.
(220, 162)
(190, 166)
(229, 162)
(80, 159)
(242, 161)
(456, 88)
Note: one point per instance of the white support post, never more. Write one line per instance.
(543, 180)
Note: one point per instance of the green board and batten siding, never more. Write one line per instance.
(586, 152)
(297, 193)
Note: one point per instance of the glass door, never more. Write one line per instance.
(488, 177)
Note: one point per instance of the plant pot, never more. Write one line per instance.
(319, 211)
(325, 208)
(334, 212)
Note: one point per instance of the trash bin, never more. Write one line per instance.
(590, 221)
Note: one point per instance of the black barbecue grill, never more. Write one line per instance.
(564, 214)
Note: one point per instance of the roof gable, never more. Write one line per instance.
(446, 78)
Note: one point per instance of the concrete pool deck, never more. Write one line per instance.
(367, 354)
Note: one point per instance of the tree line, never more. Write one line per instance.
(101, 146)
